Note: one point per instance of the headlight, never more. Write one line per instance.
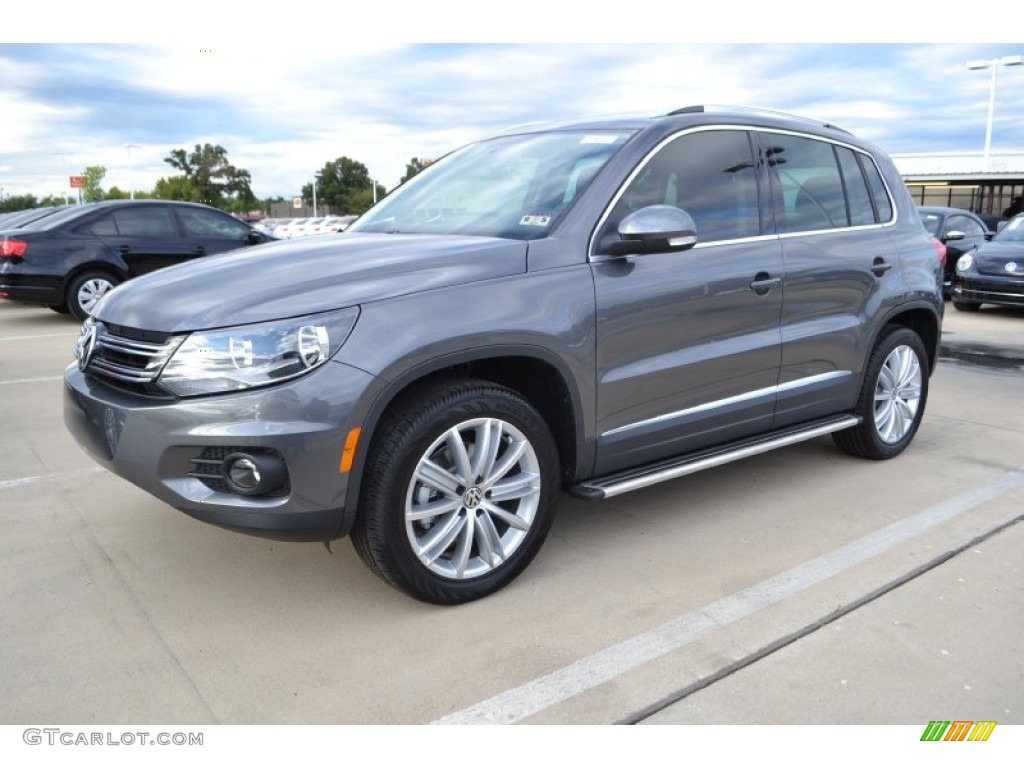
(964, 263)
(230, 359)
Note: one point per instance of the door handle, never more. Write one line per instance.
(763, 283)
(199, 251)
(879, 266)
(124, 250)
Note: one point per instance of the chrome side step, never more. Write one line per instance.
(633, 479)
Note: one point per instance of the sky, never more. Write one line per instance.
(285, 93)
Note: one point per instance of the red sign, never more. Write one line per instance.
(77, 182)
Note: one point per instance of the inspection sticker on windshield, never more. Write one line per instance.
(535, 220)
(600, 138)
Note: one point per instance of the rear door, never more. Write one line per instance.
(842, 268)
(144, 237)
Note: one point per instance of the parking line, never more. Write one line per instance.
(40, 336)
(55, 478)
(30, 381)
(598, 668)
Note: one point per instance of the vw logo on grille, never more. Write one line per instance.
(88, 343)
(1011, 266)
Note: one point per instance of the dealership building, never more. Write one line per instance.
(964, 179)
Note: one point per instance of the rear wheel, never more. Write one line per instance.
(892, 398)
(86, 290)
(459, 492)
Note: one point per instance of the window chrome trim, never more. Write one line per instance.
(624, 185)
(808, 381)
(593, 257)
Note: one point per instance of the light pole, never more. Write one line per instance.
(67, 179)
(131, 170)
(994, 64)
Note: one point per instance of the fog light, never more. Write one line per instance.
(252, 475)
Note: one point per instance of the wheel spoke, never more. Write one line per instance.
(460, 558)
(511, 457)
(506, 517)
(431, 474)
(512, 488)
(488, 540)
(488, 443)
(460, 457)
(440, 537)
(433, 509)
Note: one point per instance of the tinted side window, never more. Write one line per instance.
(807, 173)
(135, 222)
(199, 223)
(963, 224)
(709, 174)
(880, 195)
(857, 196)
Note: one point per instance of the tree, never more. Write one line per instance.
(343, 184)
(174, 188)
(92, 191)
(414, 166)
(18, 203)
(210, 177)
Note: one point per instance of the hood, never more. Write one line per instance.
(992, 258)
(299, 277)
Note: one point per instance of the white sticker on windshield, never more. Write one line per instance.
(534, 220)
(600, 138)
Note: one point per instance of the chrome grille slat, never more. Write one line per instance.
(119, 359)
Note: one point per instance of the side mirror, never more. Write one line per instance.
(953, 234)
(654, 229)
(255, 238)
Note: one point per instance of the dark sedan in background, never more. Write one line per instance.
(994, 273)
(959, 230)
(69, 259)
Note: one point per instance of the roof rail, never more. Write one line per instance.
(699, 108)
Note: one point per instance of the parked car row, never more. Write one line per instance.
(70, 257)
(982, 266)
(284, 229)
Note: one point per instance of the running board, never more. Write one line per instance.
(632, 479)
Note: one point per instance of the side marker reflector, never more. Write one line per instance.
(348, 453)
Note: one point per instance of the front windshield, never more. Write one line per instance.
(1013, 232)
(513, 186)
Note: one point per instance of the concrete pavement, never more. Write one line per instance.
(940, 642)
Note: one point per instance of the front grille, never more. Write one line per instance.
(128, 363)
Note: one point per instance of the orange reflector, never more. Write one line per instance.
(348, 454)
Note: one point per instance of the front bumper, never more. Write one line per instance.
(152, 444)
(987, 289)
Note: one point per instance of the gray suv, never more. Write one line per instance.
(595, 307)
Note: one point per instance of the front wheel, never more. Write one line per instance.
(459, 491)
(892, 398)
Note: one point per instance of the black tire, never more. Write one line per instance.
(892, 398)
(966, 306)
(401, 511)
(86, 289)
